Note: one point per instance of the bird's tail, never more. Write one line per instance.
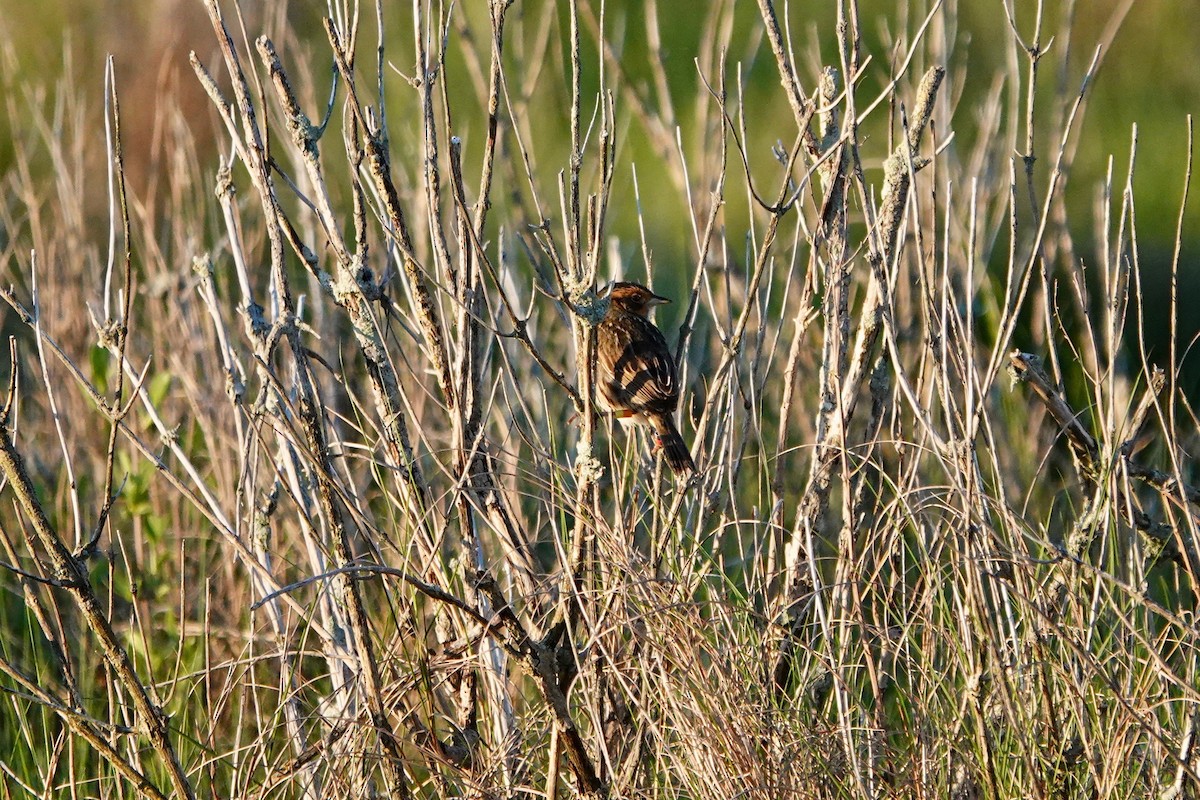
(674, 448)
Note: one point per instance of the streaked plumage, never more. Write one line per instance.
(635, 372)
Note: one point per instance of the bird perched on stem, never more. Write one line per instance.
(635, 372)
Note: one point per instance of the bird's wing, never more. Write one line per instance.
(639, 362)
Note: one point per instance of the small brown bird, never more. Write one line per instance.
(635, 372)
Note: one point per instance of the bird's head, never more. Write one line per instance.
(634, 298)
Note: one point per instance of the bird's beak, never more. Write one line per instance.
(658, 300)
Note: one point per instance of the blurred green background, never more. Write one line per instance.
(1149, 76)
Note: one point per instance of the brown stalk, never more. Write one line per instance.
(1086, 455)
(310, 416)
(72, 576)
(379, 168)
(837, 410)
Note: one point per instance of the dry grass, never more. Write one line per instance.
(293, 500)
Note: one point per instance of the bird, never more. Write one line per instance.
(635, 372)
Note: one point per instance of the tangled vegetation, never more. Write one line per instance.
(303, 492)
